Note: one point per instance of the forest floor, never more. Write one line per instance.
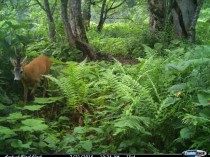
(122, 59)
(126, 60)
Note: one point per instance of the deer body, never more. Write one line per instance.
(30, 74)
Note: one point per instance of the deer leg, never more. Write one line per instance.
(25, 94)
(33, 90)
(46, 82)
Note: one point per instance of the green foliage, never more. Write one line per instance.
(202, 29)
(125, 106)
(21, 133)
(192, 72)
(118, 39)
(158, 105)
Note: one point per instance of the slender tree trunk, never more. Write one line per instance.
(49, 12)
(191, 31)
(51, 23)
(86, 13)
(101, 20)
(105, 8)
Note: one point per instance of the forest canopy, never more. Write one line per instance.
(117, 76)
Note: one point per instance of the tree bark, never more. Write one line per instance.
(71, 38)
(191, 32)
(157, 14)
(75, 41)
(51, 23)
(77, 26)
(102, 16)
(181, 14)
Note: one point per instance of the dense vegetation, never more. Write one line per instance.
(142, 95)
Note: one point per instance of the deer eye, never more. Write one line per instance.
(21, 71)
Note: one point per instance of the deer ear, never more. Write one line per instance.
(13, 61)
(24, 60)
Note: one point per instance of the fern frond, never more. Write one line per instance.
(154, 87)
(73, 85)
(124, 124)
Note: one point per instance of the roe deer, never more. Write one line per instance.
(31, 73)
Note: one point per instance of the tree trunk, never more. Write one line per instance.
(71, 38)
(101, 20)
(77, 26)
(105, 8)
(157, 14)
(86, 13)
(75, 41)
(191, 31)
(49, 13)
(51, 23)
(184, 15)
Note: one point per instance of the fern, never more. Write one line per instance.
(134, 123)
(73, 85)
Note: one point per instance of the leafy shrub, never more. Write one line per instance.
(21, 133)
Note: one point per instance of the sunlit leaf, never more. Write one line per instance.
(203, 98)
(87, 145)
(79, 130)
(168, 101)
(32, 122)
(177, 88)
(6, 132)
(16, 144)
(16, 116)
(47, 100)
(33, 125)
(33, 107)
(186, 133)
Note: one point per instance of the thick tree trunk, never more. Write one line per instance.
(77, 26)
(183, 13)
(71, 38)
(74, 40)
(157, 14)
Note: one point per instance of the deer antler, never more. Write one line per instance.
(18, 55)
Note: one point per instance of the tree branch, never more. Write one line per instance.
(112, 4)
(53, 7)
(111, 8)
(43, 8)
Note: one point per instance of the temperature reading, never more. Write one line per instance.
(130, 155)
(106, 155)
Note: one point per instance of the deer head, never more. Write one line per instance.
(18, 64)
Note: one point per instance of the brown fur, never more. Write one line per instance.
(32, 73)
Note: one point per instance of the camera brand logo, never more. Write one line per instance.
(194, 153)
